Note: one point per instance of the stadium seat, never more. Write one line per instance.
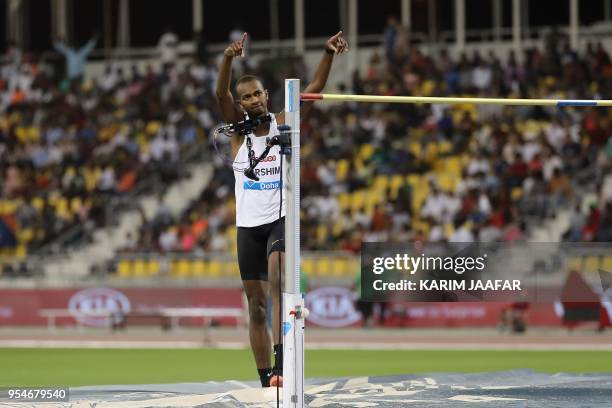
(21, 251)
(124, 268)
(139, 268)
(342, 167)
(357, 200)
(517, 193)
(590, 264)
(214, 269)
(324, 266)
(366, 151)
(381, 183)
(152, 267)
(397, 181)
(339, 267)
(230, 268)
(574, 263)
(199, 268)
(308, 266)
(344, 201)
(606, 264)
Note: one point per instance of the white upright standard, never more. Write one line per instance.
(292, 322)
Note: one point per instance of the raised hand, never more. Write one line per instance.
(236, 49)
(337, 44)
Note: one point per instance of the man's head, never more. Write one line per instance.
(252, 96)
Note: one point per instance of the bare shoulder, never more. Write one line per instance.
(280, 118)
(236, 141)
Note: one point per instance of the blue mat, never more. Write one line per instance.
(521, 388)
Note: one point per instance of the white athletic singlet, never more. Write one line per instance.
(257, 201)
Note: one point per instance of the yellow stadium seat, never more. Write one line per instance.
(574, 264)
(381, 182)
(153, 267)
(139, 268)
(354, 265)
(366, 151)
(337, 229)
(449, 230)
(183, 268)
(230, 269)
(342, 167)
(198, 268)
(419, 225)
(124, 268)
(344, 201)
(415, 148)
(517, 193)
(374, 197)
(453, 164)
(214, 269)
(308, 266)
(75, 204)
(38, 203)
(397, 181)
(445, 147)
(446, 182)
(431, 151)
(324, 266)
(606, 263)
(33, 133)
(357, 200)
(61, 208)
(21, 134)
(427, 87)
(340, 267)
(25, 235)
(591, 264)
(21, 251)
(413, 179)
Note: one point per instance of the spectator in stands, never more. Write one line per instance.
(168, 47)
(577, 223)
(75, 58)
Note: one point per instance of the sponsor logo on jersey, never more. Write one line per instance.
(262, 185)
(270, 158)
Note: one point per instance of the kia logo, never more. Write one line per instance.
(269, 158)
(332, 307)
(94, 306)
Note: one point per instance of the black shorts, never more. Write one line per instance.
(255, 244)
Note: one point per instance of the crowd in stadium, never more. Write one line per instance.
(471, 173)
(369, 171)
(68, 145)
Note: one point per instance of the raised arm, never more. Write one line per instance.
(335, 45)
(87, 48)
(225, 99)
(61, 47)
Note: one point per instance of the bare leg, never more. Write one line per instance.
(256, 292)
(274, 289)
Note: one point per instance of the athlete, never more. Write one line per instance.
(260, 226)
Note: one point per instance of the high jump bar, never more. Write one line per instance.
(454, 101)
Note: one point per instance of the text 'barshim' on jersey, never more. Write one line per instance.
(270, 171)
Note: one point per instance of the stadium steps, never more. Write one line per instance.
(108, 240)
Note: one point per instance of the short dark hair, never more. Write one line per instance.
(247, 78)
